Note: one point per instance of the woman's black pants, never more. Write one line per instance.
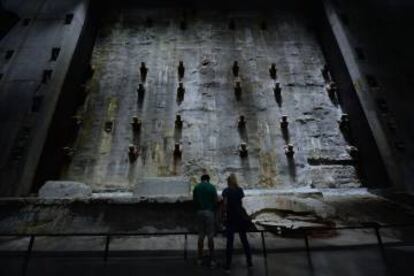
(230, 239)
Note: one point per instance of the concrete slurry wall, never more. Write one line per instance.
(28, 97)
(210, 110)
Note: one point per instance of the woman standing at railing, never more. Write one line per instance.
(236, 220)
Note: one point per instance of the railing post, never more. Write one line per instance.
(185, 246)
(380, 243)
(308, 253)
(28, 254)
(107, 240)
(263, 245)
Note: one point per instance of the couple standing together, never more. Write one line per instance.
(235, 218)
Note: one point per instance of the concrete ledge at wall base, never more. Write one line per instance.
(64, 189)
(162, 187)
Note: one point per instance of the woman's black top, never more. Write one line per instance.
(234, 208)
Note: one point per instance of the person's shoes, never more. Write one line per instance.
(227, 269)
(249, 264)
(199, 262)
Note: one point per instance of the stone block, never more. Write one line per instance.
(162, 186)
(64, 189)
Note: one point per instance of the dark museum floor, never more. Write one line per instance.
(357, 261)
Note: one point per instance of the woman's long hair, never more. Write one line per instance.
(232, 181)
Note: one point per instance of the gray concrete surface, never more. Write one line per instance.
(123, 42)
(210, 110)
(24, 126)
(64, 189)
(164, 186)
(178, 214)
(379, 30)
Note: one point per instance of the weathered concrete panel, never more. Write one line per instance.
(64, 189)
(162, 186)
(367, 100)
(23, 81)
(210, 110)
(382, 76)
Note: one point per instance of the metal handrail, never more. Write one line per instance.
(108, 235)
(178, 233)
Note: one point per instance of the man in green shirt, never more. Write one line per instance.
(205, 199)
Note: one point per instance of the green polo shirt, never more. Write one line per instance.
(205, 196)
